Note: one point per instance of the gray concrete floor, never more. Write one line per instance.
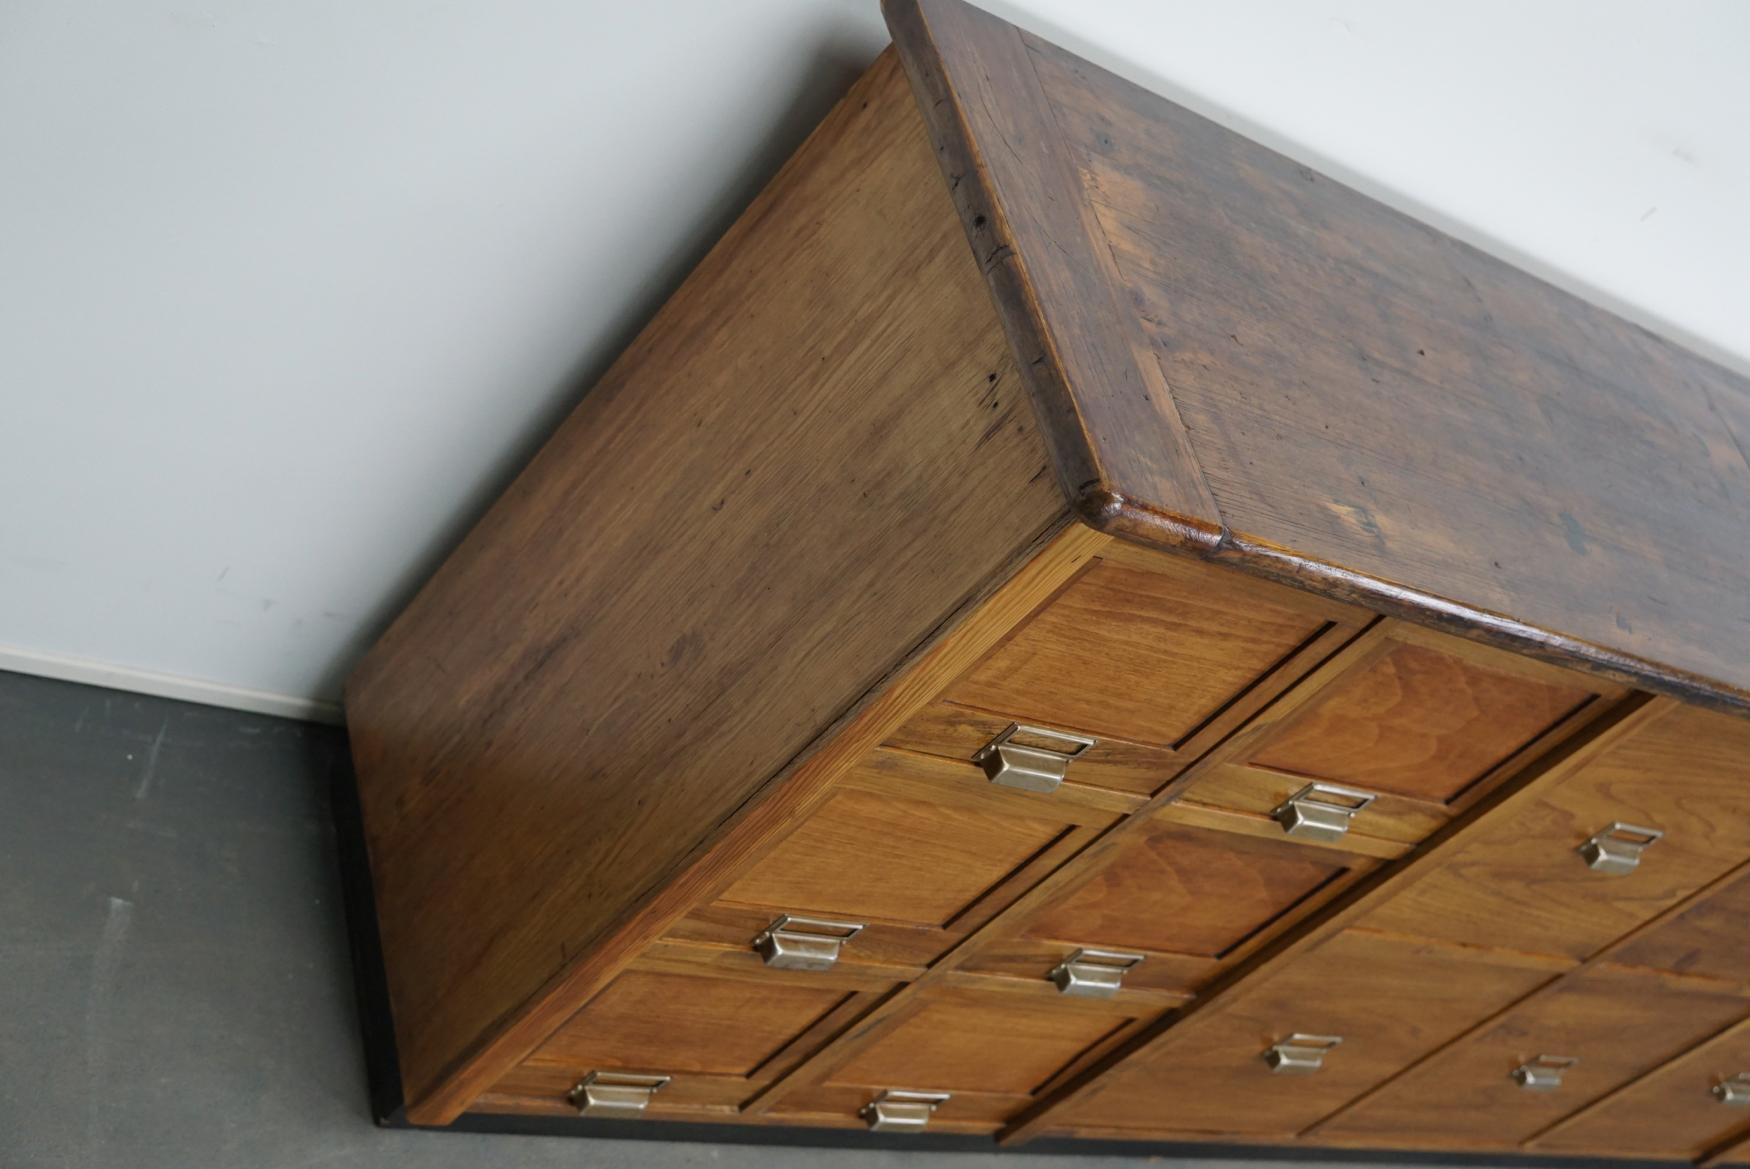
(173, 957)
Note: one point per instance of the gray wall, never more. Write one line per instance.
(174, 964)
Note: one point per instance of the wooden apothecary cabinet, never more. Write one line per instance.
(1212, 661)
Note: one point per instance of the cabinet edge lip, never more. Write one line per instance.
(728, 1132)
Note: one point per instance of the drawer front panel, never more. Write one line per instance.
(1710, 938)
(1611, 1023)
(719, 1036)
(960, 732)
(1418, 722)
(1678, 1111)
(1389, 1001)
(1527, 886)
(1171, 889)
(1404, 726)
(1142, 654)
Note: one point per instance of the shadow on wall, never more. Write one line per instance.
(838, 62)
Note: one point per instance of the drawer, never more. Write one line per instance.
(994, 1052)
(1592, 1031)
(1143, 653)
(1708, 938)
(1188, 899)
(1525, 884)
(718, 1035)
(1388, 1001)
(1694, 1104)
(917, 850)
(1418, 723)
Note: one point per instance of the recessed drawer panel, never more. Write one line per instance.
(1402, 729)
(992, 1052)
(1140, 653)
(716, 1036)
(1624, 834)
(1189, 899)
(1279, 1057)
(1690, 1106)
(916, 849)
(1544, 1060)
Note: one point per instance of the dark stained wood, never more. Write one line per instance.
(1374, 409)
(815, 456)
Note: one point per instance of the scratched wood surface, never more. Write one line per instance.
(1350, 399)
(814, 456)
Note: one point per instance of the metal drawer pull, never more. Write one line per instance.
(1617, 849)
(1036, 763)
(1093, 974)
(1544, 1073)
(804, 943)
(608, 1093)
(1299, 1054)
(1320, 811)
(1734, 1091)
(896, 1110)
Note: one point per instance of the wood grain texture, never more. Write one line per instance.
(1184, 890)
(1147, 656)
(815, 456)
(1374, 409)
(1391, 1001)
(1707, 939)
(1617, 1024)
(1670, 1112)
(1418, 723)
(1520, 884)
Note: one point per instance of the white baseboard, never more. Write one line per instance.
(71, 669)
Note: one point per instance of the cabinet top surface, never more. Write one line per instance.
(1234, 355)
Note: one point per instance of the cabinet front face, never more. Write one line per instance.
(1348, 1015)
(1544, 1060)
(1676, 795)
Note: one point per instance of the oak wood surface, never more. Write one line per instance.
(1231, 342)
(814, 456)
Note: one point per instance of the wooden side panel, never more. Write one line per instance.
(813, 458)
